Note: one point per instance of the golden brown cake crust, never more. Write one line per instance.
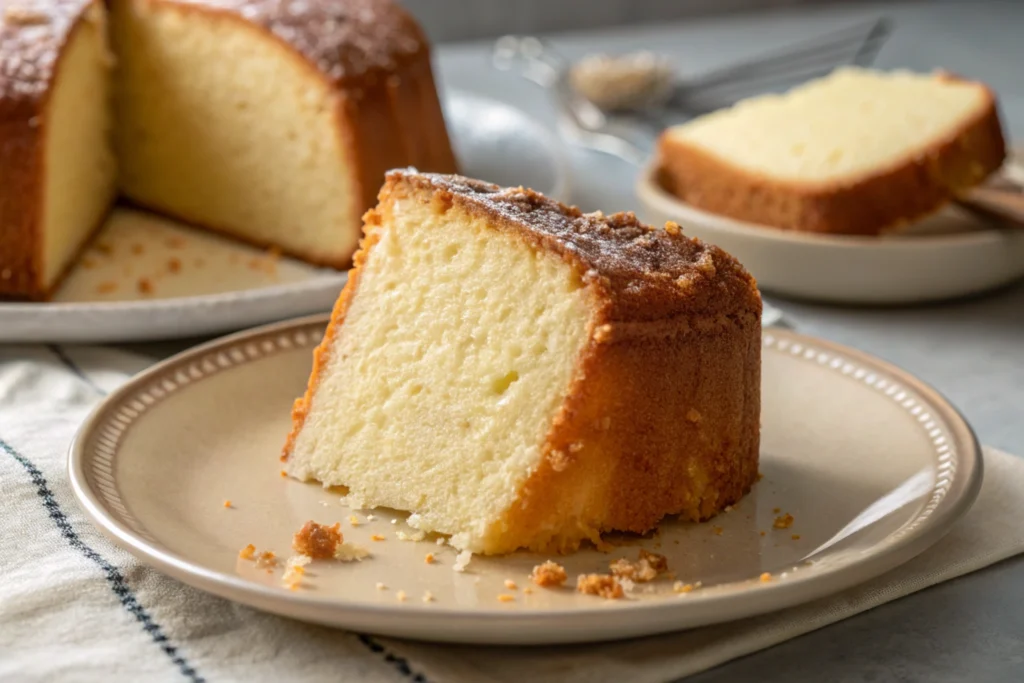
(662, 416)
(33, 34)
(348, 41)
(647, 274)
(888, 199)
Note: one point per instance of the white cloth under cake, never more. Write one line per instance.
(74, 607)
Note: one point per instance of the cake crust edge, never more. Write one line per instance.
(872, 204)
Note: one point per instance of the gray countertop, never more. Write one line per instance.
(970, 350)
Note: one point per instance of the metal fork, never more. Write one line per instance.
(585, 124)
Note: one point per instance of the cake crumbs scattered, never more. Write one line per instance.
(401, 596)
(728, 508)
(603, 585)
(549, 574)
(510, 584)
(247, 552)
(144, 286)
(428, 596)
(318, 541)
(414, 536)
(294, 571)
(266, 559)
(795, 537)
(462, 561)
(175, 242)
(104, 248)
(693, 416)
(381, 586)
(762, 533)
(440, 540)
(429, 559)
(174, 265)
(647, 567)
(376, 537)
(766, 577)
(283, 473)
(717, 530)
(227, 503)
(783, 521)
(347, 552)
(370, 518)
(527, 590)
(353, 520)
(106, 287)
(760, 476)
(776, 511)
(680, 587)
(394, 521)
(505, 597)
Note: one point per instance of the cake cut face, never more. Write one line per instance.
(859, 151)
(272, 125)
(520, 375)
(57, 171)
(273, 122)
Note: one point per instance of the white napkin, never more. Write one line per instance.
(73, 607)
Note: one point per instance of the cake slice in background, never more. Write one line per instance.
(57, 170)
(857, 152)
(522, 375)
(273, 122)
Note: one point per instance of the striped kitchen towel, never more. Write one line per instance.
(73, 607)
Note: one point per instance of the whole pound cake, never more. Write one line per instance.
(269, 120)
(858, 152)
(519, 374)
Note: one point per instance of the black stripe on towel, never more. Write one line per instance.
(73, 367)
(401, 664)
(112, 573)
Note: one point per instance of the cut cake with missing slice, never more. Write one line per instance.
(857, 152)
(519, 374)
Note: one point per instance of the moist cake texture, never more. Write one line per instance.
(273, 121)
(859, 151)
(519, 374)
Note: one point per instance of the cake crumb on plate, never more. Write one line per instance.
(318, 541)
(462, 561)
(549, 574)
(603, 585)
(783, 521)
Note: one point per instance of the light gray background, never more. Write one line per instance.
(971, 629)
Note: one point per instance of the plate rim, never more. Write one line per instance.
(417, 618)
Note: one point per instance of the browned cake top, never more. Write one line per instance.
(650, 273)
(345, 39)
(31, 35)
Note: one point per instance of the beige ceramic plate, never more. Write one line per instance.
(872, 464)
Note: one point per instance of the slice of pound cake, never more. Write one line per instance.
(858, 152)
(520, 374)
